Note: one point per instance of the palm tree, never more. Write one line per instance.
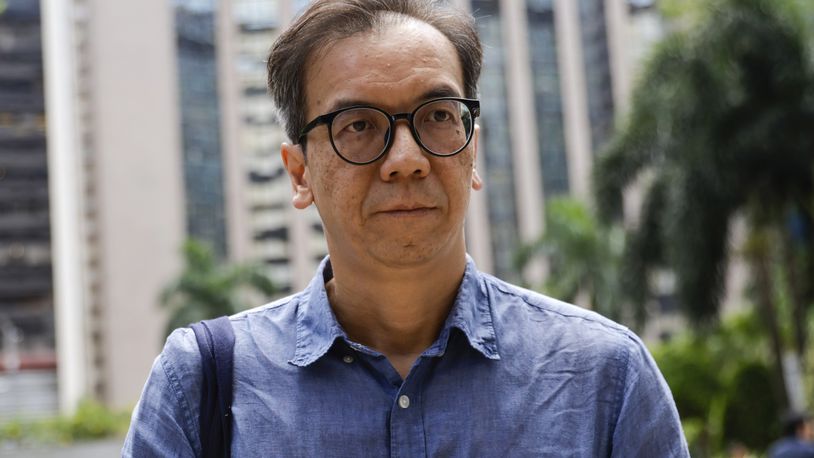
(722, 120)
(207, 290)
(583, 257)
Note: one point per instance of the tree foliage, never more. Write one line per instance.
(583, 257)
(723, 385)
(722, 121)
(207, 290)
(91, 421)
(723, 117)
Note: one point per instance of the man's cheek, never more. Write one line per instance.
(325, 178)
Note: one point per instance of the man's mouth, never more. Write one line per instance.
(408, 210)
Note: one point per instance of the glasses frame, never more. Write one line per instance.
(473, 105)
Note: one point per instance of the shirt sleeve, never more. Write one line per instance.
(165, 420)
(648, 424)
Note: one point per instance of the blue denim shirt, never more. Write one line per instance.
(791, 447)
(512, 374)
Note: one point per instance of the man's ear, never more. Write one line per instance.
(294, 162)
(477, 183)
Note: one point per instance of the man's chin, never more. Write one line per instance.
(410, 254)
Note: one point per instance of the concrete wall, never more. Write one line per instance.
(138, 178)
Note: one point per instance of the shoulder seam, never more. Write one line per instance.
(178, 391)
(622, 388)
(270, 306)
(499, 284)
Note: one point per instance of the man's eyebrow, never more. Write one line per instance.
(440, 91)
(345, 103)
(434, 93)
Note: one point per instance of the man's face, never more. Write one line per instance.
(407, 207)
(806, 431)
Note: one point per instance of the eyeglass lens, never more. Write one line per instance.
(361, 134)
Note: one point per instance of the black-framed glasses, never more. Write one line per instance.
(362, 134)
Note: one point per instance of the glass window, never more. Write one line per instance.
(200, 122)
(26, 301)
(495, 142)
(257, 14)
(596, 60)
(547, 97)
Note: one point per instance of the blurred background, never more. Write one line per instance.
(652, 160)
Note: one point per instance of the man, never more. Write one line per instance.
(399, 346)
(798, 437)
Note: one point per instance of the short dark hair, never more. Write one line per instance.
(792, 421)
(326, 21)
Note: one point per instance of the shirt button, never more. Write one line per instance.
(404, 401)
(348, 359)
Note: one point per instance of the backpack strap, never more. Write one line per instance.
(216, 341)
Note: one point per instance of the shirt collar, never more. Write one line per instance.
(317, 327)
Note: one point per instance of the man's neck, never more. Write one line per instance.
(398, 312)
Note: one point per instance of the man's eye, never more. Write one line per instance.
(358, 126)
(440, 116)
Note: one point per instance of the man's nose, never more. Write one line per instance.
(405, 157)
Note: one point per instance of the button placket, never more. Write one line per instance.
(408, 437)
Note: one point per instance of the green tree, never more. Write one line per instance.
(583, 257)
(207, 290)
(722, 385)
(722, 121)
(752, 407)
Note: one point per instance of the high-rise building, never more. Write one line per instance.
(27, 366)
(555, 75)
(195, 28)
(115, 169)
(593, 26)
(495, 160)
(265, 227)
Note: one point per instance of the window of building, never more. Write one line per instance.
(495, 141)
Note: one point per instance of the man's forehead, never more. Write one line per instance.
(408, 55)
(385, 23)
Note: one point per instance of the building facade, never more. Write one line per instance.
(265, 228)
(556, 74)
(116, 186)
(195, 30)
(28, 363)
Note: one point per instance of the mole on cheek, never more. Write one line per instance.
(464, 160)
